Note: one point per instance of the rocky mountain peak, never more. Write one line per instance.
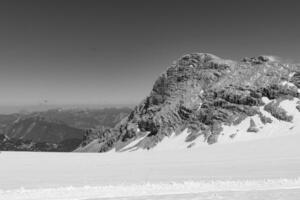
(202, 93)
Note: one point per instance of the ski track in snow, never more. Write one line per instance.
(149, 189)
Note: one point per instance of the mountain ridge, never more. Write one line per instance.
(55, 129)
(202, 93)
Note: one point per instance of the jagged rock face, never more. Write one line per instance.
(202, 92)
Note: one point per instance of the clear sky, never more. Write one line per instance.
(100, 52)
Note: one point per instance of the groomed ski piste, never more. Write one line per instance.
(262, 165)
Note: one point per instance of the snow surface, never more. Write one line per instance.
(262, 165)
(269, 164)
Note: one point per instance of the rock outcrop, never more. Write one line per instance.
(201, 93)
(252, 127)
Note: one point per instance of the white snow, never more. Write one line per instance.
(292, 74)
(262, 165)
(267, 164)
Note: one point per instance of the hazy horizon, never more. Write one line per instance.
(111, 52)
(12, 109)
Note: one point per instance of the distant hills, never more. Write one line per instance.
(55, 129)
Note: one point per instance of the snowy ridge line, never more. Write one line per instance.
(147, 189)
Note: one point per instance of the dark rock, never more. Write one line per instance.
(296, 79)
(191, 145)
(192, 136)
(258, 60)
(2, 138)
(298, 107)
(264, 119)
(252, 127)
(213, 138)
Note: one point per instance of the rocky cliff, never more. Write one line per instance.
(202, 93)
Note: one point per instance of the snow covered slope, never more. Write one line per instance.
(265, 164)
(235, 133)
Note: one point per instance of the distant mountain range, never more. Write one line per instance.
(55, 129)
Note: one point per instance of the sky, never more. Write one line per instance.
(111, 52)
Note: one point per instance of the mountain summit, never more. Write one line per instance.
(202, 98)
